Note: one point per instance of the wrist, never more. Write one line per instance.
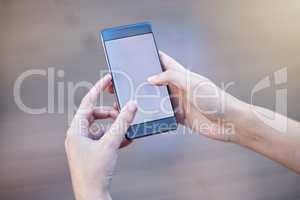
(238, 114)
(104, 195)
(246, 124)
(91, 195)
(89, 192)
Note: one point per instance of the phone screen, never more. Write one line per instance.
(132, 60)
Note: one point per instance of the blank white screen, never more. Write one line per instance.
(132, 61)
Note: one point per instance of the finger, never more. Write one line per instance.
(169, 63)
(96, 131)
(81, 121)
(90, 98)
(125, 143)
(115, 134)
(79, 125)
(105, 112)
(174, 77)
(115, 105)
(110, 89)
(91, 119)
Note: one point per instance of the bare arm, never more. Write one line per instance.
(198, 102)
(280, 146)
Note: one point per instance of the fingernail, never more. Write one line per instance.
(108, 76)
(132, 106)
(151, 79)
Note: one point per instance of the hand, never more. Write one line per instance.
(92, 157)
(206, 109)
(199, 103)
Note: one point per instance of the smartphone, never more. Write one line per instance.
(132, 56)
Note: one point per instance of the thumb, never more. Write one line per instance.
(168, 62)
(118, 129)
(177, 78)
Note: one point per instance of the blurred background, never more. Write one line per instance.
(234, 40)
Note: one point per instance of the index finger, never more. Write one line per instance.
(80, 122)
(118, 129)
(90, 98)
(168, 62)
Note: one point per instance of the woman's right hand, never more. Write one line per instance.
(199, 104)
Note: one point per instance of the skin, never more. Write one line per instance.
(91, 154)
(249, 131)
(199, 105)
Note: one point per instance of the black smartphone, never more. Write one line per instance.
(132, 56)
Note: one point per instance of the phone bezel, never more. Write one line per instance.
(138, 130)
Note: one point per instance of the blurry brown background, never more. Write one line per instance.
(233, 40)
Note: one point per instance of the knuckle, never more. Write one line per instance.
(169, 75)
(129, 118)
(67, 141)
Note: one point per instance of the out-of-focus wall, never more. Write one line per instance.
(233, 40)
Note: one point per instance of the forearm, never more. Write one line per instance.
(93, 196)
(280, 146)
(86, 191)
(81, 194)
